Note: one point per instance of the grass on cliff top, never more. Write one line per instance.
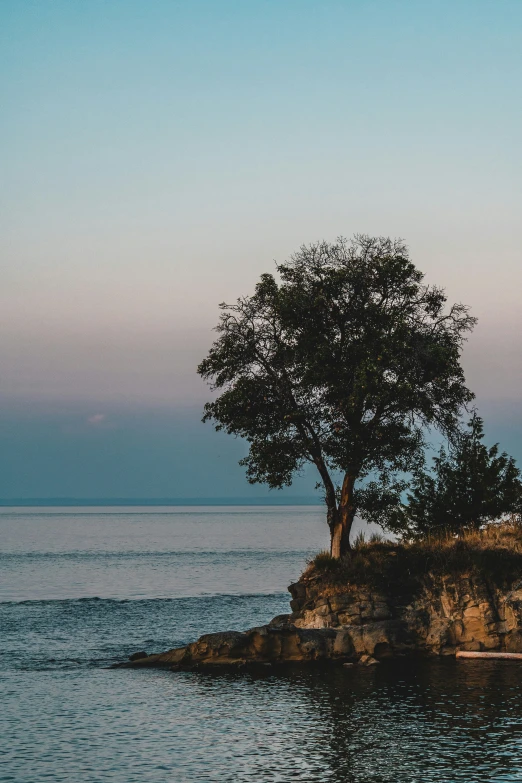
(403, 568)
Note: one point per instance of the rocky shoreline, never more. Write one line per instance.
(349, 624)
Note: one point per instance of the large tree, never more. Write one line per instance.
(342, 361)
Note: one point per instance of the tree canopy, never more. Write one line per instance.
(341, 361)
(469, 486)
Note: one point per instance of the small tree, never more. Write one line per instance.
(342, 364)
(469, 486)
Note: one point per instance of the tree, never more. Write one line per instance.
(469, 486)
(342, 364)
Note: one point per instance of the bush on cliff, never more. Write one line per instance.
(403, 568)
(469, 486)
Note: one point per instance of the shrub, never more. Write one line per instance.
(470, 485)
(402, 569)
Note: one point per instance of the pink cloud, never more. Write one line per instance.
(97, 418)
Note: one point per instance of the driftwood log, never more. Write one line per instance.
(488, 655)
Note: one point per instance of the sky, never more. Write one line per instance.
(157, 157)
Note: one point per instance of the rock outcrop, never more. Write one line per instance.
(277, 642)
(354, 624)
(448, 613)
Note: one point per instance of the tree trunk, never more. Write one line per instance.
(342, 525)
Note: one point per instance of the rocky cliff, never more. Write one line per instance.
(465, 612)
(357, 624)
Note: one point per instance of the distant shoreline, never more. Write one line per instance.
(237, 501)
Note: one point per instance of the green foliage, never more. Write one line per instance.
(380, 502)
(469, 486)
(342, 363)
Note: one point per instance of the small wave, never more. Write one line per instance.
(140, 554)
(177, 599)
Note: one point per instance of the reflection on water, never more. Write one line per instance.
(410, 722)
(423, 721)
(66, 718)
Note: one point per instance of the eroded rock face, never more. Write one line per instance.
(348, 624)
(449, 614)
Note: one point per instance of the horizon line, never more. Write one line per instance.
(297, 500)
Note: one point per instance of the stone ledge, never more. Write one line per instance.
(349, 624)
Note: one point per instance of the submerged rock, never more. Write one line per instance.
(137, 656)
(355, 624)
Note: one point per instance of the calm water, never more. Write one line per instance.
(81, 588)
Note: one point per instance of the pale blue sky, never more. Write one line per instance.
(158, 156)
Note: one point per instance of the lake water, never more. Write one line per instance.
(82, 588)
